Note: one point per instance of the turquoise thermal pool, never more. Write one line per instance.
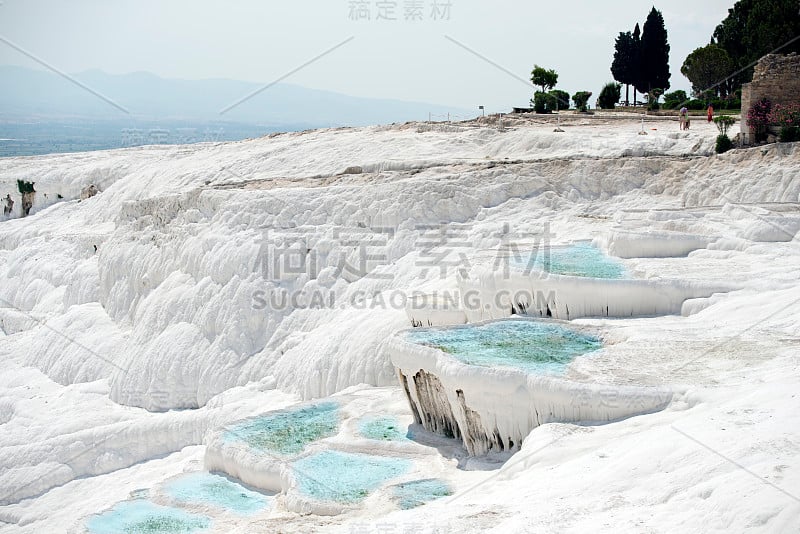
(418, 492)
(343, 477)
(288, 432)
(580, 259)
(381, 429)
(533, 346)
(144, 517)
(216, 490)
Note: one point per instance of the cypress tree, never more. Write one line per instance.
(636, 61)
(623, 67)
(655, 53)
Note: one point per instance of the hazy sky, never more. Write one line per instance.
(262, 40)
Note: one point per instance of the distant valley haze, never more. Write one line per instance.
(43, 112)
(34, 93)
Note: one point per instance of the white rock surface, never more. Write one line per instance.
(120, 311)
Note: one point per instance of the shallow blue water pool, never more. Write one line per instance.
(381, 429)
(216, 490)
(288, 432)
(343, 477)
(533, 346)
(580, 259)
(418, 492)
(145, 517)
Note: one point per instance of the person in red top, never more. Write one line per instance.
(710, 113)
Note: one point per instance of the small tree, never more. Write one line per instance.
(652, 99)
(543, 102)
(562, 99)
(610, 95)
(724, 123)
(581, 99)
(26, 190)
(708, 67)
(546, 79)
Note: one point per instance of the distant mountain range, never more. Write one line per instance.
(44, 95)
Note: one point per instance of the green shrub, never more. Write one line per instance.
(787, 119)
(675, 99)
(724, 144)
(581, 99)
(609, 96)
(758, 118)
(25, 187)
(544, 102)
(789, 134)
(731, 103)
(724, 123)
(726, 103)
(696, 105)
(562, 98)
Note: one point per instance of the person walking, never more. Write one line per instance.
(9, 205)
(710, 113)
(684, 114)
